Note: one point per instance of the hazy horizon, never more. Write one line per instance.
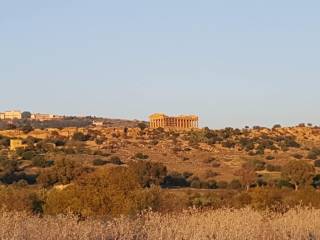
(233, 63)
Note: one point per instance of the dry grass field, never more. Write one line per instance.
(223, 224)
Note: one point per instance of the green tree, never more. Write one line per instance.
(26, 115)
(79, 136)
(27, 128)
(142, 126)
(149, 173)
(247, 176)
(106, 192)
(298, 173)
(64, 171)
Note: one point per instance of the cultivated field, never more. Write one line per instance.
(300, 223)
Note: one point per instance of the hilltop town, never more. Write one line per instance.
(19, 118)
(17, 115)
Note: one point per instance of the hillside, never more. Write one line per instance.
(205, 154)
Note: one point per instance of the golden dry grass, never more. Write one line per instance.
(221, 224)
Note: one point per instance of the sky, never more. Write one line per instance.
(233, 63)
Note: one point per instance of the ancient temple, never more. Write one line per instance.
(160, 120)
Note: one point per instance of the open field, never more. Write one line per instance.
(223, 224)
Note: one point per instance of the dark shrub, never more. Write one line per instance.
(260, 151)
(212, 184)
(69, 151)
(316, 181)
(28, 155)
(140, 156)
(228, 144)
(209, 160)
(175, 179)
(257, 165)
(187, 174)
(222, 184)
(196, 183)
(317, 163)
(4, 141)
(273, 168)
(291, 143)
(40, 161)
(211, 174)
(142, 126)
(297, 156)
(99, 162)
(276, 126)
(59, 142)
(235, 184)
(149, 173)
(270, 157)
(26, 115)
(79, 136)
(282, 183)
(313, 153)
(99, 141)
(27, 128)
(204, 185)
(116, 160)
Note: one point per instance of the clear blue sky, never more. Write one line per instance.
(234, 63)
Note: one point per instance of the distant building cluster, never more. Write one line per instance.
(15, 114)
(44, 117)
(10, 115)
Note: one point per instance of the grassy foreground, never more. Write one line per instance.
(246, 223)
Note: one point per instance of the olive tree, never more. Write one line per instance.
(298, 173)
